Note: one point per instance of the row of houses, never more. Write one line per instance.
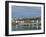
(25, 21)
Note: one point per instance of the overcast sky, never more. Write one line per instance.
(19, 11)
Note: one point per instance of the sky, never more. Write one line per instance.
(18, 11)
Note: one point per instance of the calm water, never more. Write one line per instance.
(24, 27)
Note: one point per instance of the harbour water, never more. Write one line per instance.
(25, 27)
